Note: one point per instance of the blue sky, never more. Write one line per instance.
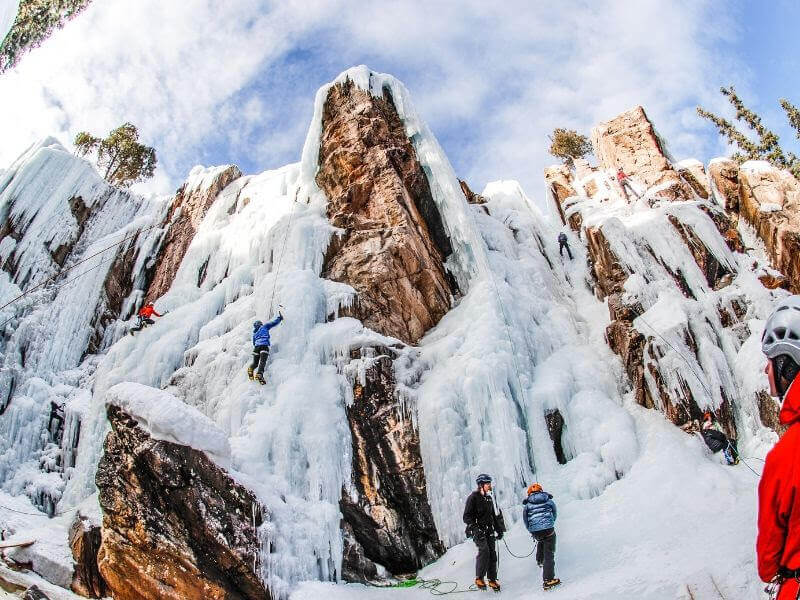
(234, 82)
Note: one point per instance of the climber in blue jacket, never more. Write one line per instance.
(261, 348)
(539, 515)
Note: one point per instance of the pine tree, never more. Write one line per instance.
(768, 145)
(121, 156)
(568, 144)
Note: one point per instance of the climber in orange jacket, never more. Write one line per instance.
(147, 311)
(625, 184)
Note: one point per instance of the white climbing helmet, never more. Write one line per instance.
(782, 330)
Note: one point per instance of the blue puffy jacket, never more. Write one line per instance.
(261, 335)
(539, 511)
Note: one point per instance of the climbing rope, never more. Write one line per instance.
(80, 262)
(432, 585)
(65, 284)
(505, 543)
(39, 514)
(283, 251)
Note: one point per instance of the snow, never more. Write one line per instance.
(757, 166)
(676, 519)
(165, 417)
(644, 509)
(688, 163)
(8, 13)
(768, 207)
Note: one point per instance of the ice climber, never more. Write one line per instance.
(144, 317)
(716, 439)
(625, 185)
(539, 515)
(261, 348)
(778, 544)
(562, 243)
(484, 528)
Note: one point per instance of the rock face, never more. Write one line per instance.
(175, 525)
(694, 173)
(84, 539)
(558, 180)
(393, 244)
(629, 141)
(769, 199)
(390, 522)
(190, 205)
(724, 175)
(391, 251)
(471, 196)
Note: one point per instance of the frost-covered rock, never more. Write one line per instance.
(186, 211)
(392, 245)
(629, 141)
(769, 199)
(175, 525)
(694, 173)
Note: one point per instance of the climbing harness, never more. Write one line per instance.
(283, 251)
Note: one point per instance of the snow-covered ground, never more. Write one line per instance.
(678, 518)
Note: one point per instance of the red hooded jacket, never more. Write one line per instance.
(778, 541)
(621, 176)
(148, 311)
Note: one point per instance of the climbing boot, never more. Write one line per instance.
(480, 583)
(494, 584)
(250, 372)
(260, 378)
(551, 583)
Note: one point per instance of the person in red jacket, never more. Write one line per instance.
(778, 543)
(625, 184)
(147, 311)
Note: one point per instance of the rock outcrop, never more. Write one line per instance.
(84, 540)
(390, 521)
(393, 244)
(558, 180)
(769, 199)
(471, 196)
(391, 250)
(175, 525)
(630, 141)
(694, 173)
(190, 205)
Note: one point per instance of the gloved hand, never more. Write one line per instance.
(499, 536)
(469, 531)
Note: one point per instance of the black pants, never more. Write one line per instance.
(561, 246)
(142, 322)
(486, 561)
(627, 187)
(260, 356)
(546, 552)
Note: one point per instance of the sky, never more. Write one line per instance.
(210, 82)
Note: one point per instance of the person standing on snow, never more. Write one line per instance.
(539, 515)
(562, 243)
(716, 440)
(147, 311)
(484, 528)
(625, 185)
(261, 343)
(778, 543)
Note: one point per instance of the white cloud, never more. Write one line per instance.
(233, 81)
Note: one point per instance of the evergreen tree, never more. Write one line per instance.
(121, 156)
(568, 144)
(768, 145)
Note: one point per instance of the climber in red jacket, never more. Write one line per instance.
(778, 544)
(625, 184)
(147, 311)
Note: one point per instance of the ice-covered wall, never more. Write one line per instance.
(62, 228)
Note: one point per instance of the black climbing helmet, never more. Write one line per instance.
(483, 478)
(257, 324)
